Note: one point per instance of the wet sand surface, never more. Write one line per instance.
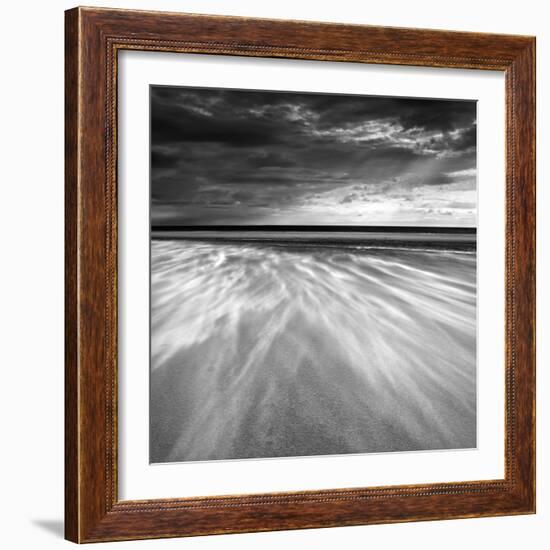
(263, 350)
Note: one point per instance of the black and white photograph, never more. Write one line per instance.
(312, 274)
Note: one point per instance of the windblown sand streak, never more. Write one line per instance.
(260, 350)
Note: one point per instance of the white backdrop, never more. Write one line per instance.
(32, 276)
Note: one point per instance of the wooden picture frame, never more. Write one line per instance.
(93, 511)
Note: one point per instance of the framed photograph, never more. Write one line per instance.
(300, 275)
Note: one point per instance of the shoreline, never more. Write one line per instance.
(312, 238)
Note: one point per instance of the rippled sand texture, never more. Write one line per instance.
(269, 351)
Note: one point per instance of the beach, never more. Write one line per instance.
(319, 346)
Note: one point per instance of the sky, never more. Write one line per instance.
(239, 157)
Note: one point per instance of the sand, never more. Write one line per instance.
(272, 351)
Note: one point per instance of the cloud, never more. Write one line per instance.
(466, 173)
(230, 156)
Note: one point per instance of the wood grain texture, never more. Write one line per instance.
(93, 38)
(71, 271)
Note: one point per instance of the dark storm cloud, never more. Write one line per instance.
(229, 156)
(436, 115)
(427, 114)
(177, 125)
(163, 159)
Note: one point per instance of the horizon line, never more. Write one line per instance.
(334, 228)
